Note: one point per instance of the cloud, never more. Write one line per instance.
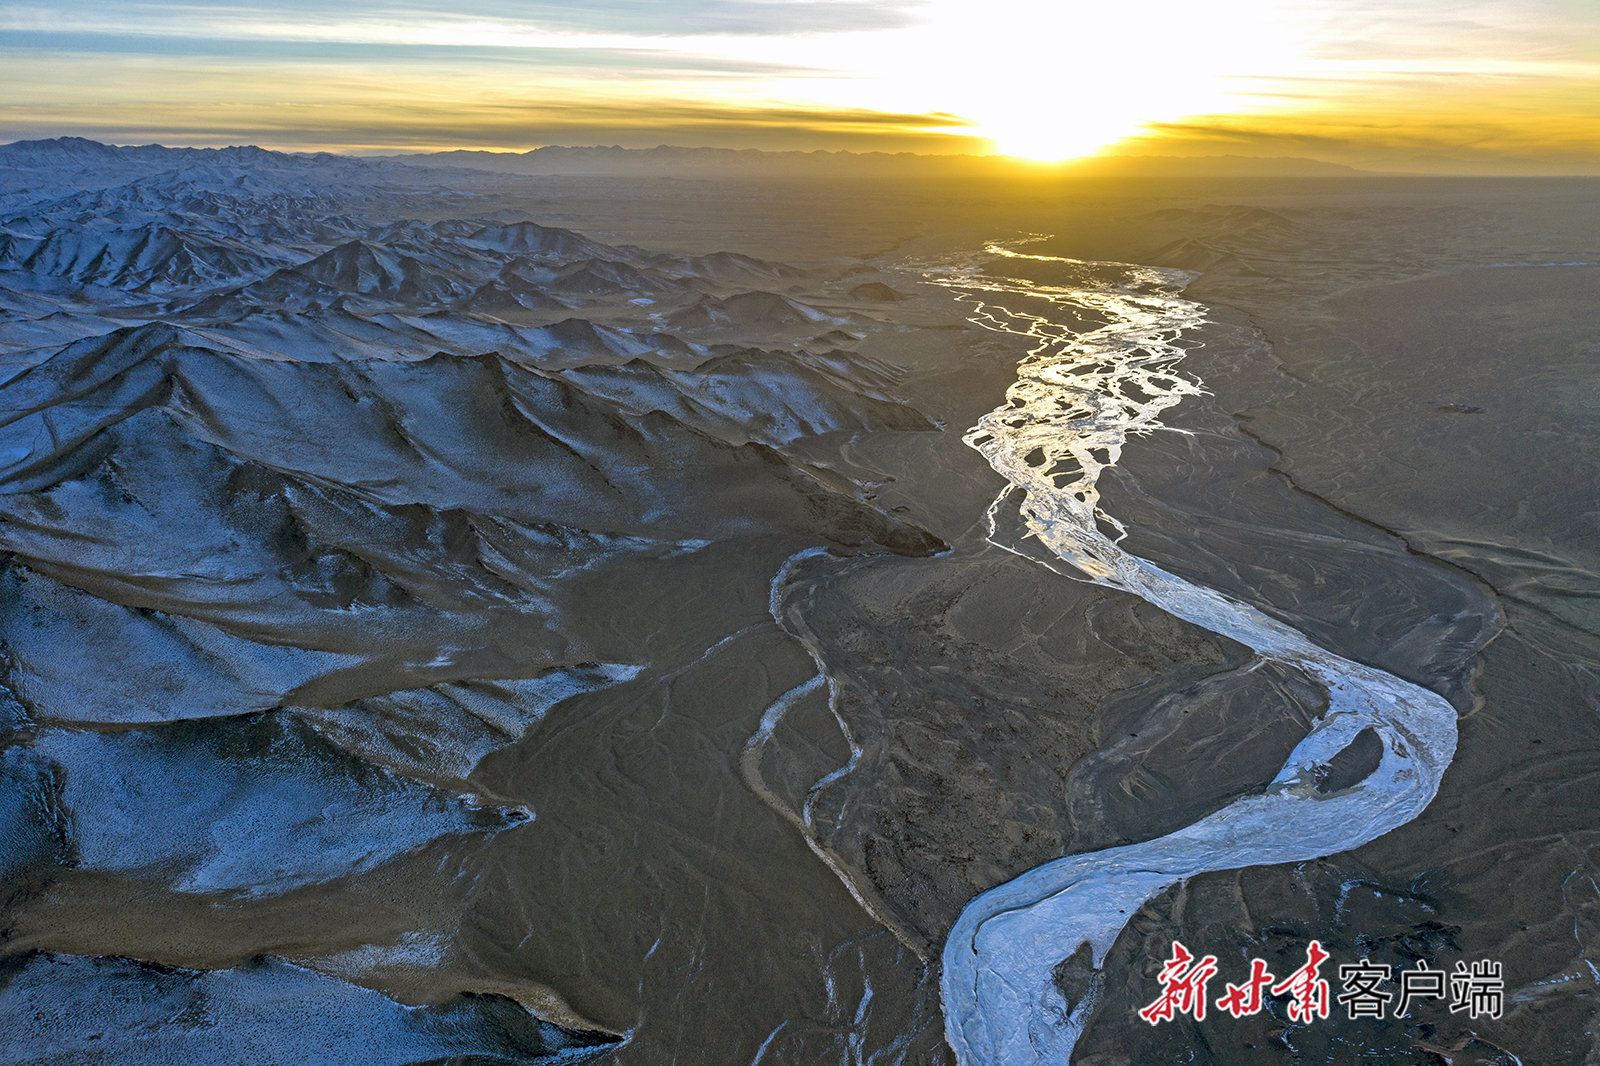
(677, 17)
(81, 45)
(1465, 135)
(313, 20)
(1451, 32)
(301, 105)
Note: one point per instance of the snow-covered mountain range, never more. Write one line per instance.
(313, 495)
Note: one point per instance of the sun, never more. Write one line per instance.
(1036, 125)
(1054, 139)
(1050, 80)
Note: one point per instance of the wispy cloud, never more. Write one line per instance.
(634, 21)
(78, 46)
(295, 104)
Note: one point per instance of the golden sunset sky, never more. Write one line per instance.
(1497, 86)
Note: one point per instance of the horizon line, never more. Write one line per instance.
(1510, 167)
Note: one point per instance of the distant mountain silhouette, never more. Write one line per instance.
(672, 160)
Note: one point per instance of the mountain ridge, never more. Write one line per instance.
(579, 160)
